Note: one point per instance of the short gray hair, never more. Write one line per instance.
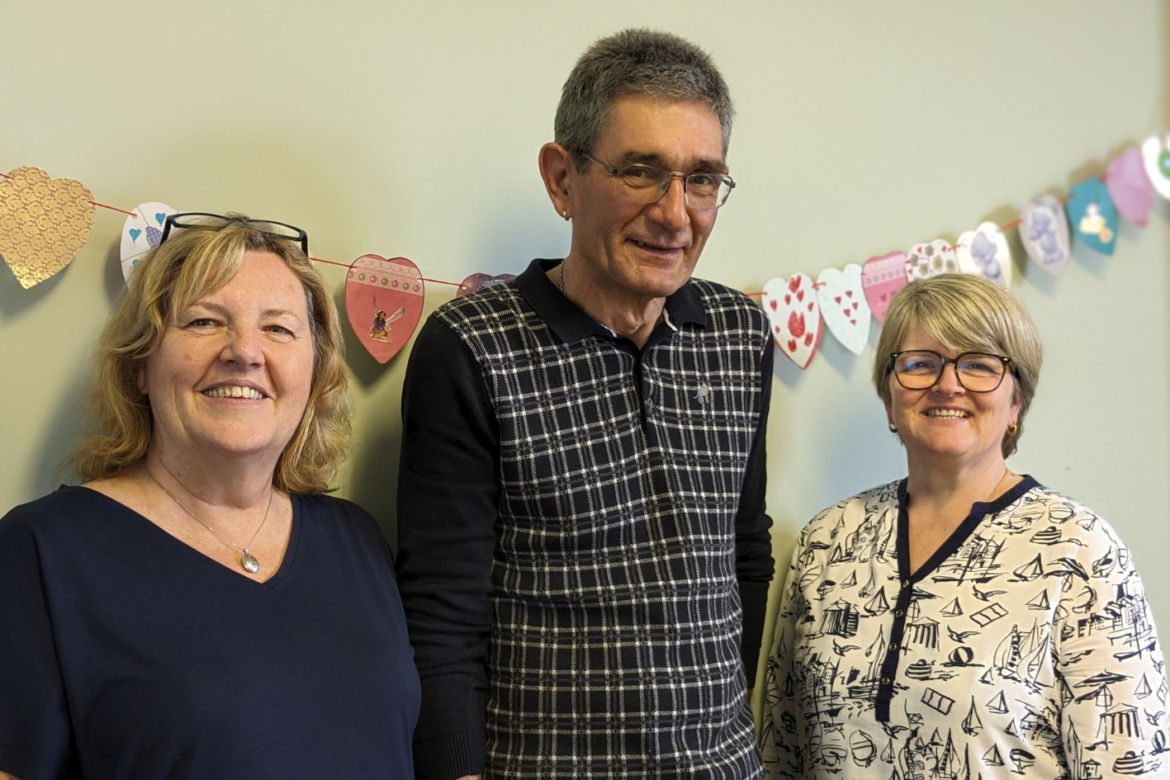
(636, 62)
(964, 312)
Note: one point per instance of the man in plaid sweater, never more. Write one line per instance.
(584, 554)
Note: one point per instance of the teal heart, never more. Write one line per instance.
(134, 234)
(160, 217)
(1164, 162)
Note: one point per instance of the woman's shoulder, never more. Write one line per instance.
(59, 506)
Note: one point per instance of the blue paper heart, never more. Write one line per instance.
(134, 234)
(1093, 215)
(160, 217)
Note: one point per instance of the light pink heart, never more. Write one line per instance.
(384, 302)
(881, 277)
(1129, 186)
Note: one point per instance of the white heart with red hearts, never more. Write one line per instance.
(384, 302)
(1156, 156)
(931, 259)
(881, 277)
(1044, 233)
(843, 306)
(984, 252)
(794, 316)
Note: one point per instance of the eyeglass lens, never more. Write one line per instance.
(978, 372)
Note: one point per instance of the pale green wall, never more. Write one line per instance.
(412, 129)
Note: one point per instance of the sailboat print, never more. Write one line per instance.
(1143, 690)
(1030, 570)
(992, 757)
(1039, 601)
(998, 704)
(868, 587)
(878, 603)
(952, 609)
(972, 725)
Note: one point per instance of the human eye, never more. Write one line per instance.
(918, 363)
(638, 176)
(978, 364)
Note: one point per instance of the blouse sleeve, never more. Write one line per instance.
(781, 736)
(34, 725)
(1113, 681)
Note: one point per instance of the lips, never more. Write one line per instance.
(953, 414)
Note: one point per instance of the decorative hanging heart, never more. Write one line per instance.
(1156, 157)
(795, 317)
(932, 259)
(384, 302)
(1093, 215)
(881, 277)
(843, 306)
(141, 233)
(1130, 187)
(984, 252)
(43, 222)
(477, 282)
(1044, 233)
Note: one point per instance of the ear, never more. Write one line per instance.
(140, 380)
(556, 165)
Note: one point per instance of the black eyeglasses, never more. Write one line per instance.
(977, 372)
(190, 219)
(648, 183)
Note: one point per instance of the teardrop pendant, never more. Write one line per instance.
(249, 562)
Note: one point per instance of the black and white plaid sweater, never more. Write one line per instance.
(580, 526)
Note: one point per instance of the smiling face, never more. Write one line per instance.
(637, 251)
(232, 374)
(947, 425)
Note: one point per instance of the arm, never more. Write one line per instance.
(446, 515)
(781, 735)
(753, 542)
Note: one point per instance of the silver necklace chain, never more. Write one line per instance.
(248, 561)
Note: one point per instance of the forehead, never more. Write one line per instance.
(920, 336)
(679, 133)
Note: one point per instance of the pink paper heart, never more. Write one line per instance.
(796, 323)
(384, 302)
(841, 296)
(1044, 233)
(477, 282)
(881, 277)
(1129, 186)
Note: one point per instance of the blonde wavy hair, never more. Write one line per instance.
(193, 262)
(964, 313)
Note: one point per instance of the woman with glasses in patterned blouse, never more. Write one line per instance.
(197, 608)
(965, 619)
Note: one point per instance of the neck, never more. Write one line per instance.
(217, 482)
(632, 316)
(938, 485)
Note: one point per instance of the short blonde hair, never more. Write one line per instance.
(964, 313)
(193, 262)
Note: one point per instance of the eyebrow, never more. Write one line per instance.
(220, 309)
(651, 158)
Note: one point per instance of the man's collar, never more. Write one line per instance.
(571, 324)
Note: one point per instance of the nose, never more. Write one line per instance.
(671, 208)
(948, 381)
(243, 348)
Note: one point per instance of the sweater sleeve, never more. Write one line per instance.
(447, 501)
(753, 544)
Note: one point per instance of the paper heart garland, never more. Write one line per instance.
(384, 302)
(984, 252)
(1129, 187)
(43, 222)
(477, 282)
(843, 306)
(926, 260)
(881, 277)
(141, 233)
(795, 317)
(1044, 233)
(1093, 215)
(1156, 156)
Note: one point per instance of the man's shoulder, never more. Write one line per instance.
(729, 306)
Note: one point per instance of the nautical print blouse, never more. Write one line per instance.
(1023, 646)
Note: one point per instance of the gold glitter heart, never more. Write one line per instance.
(43, 222)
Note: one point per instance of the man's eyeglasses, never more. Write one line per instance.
(648, 183)
(977, 372)
(189, 219)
